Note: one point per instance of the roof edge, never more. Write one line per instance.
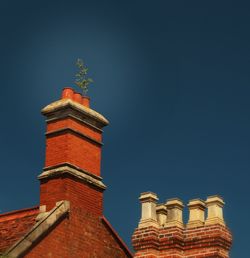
(115, 234)
(18, 213)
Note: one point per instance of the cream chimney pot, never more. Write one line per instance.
(161, 212)
(196, 213)
(214, 210)
(148, 210)
(175, 210)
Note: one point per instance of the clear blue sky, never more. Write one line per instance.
(173, 78)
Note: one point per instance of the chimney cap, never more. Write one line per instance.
(215, 199)
(148, 197)
(64, 103)
(161, 208)
(174, 203)
(197, 203)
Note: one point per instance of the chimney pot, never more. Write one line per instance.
(196, 213)
(67, 93)
(175, 209)
(214, 210)
(161, 212)
(148, 210)
(77, 98)
(86, 101)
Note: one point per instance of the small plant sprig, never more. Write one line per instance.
(81, 77)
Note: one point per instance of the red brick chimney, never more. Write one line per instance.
(162, 233)
(69, 222)
(73, 154)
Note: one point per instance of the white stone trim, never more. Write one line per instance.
(68, 102)
(74, 172)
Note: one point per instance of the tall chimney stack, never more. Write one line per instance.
(73, 153)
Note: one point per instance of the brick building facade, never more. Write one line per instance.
(69, 220)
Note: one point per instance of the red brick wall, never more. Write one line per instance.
(74, 124)
(70, 147)
(209, 241)
(78, 193)
(79, 235)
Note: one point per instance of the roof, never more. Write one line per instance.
(15, 224)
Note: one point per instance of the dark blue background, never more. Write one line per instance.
(171, 76)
